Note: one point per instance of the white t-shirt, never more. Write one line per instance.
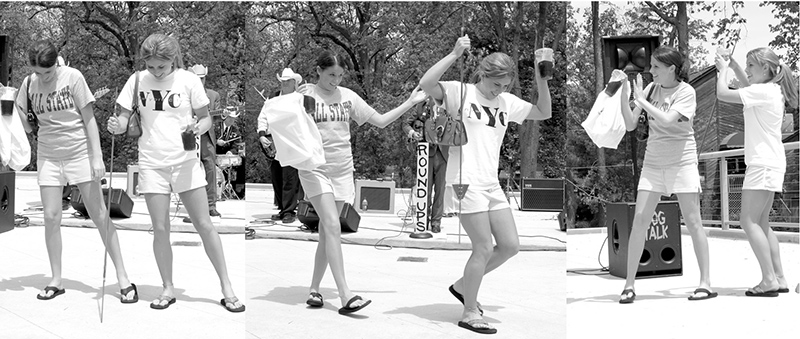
(58, 104)
(672, 144)
(485, 122)
(166, 109)
(763, 116)
(332, 115)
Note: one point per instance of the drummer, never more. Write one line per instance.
(229, 139)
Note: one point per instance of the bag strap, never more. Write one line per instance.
(135, 103)
(28, 93)
(649, 95)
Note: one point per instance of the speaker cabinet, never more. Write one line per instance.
(5, 61)
(121, 203)
(543, 195)
(348, 218)
(7, 185)
(375, 196)
(630, 54)
(133, 181)
(662, 247)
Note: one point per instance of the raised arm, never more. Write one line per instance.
(655, 112)
(430, 81)
(723, 92)
(629, 116)
(543, 109)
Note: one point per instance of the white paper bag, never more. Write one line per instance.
(295, 134)
(605, 125)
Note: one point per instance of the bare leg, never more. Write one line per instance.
(478, 228)
(321, 258)
(754, 204)
(330, 232)
(196, 204)
(92, 197)
(646, 202)
(505, 233)
(690, 208)
(158, 207)
(774, 247)
(51, 203)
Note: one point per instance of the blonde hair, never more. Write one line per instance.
(495, 65)
(162, 46)
(779, 72)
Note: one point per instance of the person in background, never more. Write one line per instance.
(207, 144)
(413, 127)
(285, 181)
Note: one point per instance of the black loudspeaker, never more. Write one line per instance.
(5, 61)
(543, 195)
(121, 203)
(662, 247)
(349, 218)
(630, 54)
(7, 184)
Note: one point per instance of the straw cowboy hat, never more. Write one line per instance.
(288, 74)
(200, 70)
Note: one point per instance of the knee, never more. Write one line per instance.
(509, 249)
(641, 221)
(483, 250)
(52, 216)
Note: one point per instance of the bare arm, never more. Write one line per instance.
(629, 116)
(543, 109)
(383, 120)
(655, 112)
(430, 81)
(723, 92)
(93, 141)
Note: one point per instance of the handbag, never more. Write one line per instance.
(643, 125)
(135, 120)
(441, 128)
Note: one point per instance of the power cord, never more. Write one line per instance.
(603, 270)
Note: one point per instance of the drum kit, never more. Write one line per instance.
(225, 162)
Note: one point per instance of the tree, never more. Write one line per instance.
(788, 12)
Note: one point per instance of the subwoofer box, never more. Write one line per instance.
(662, 247)
(121, 203)
(348, 218)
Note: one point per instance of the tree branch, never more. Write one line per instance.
(660, 13)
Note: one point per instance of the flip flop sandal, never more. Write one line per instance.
(312, 300)
(783, 290)
(708, 295)
(124, 292)
(758, 292)
(56, 292)
(232, 302)
(347, 309)
(156, 304)
(460, 297)
(625, 299)
(470, 325)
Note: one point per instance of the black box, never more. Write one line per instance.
(544, 195)
(121, 203)
(662, 249)
(7, 185)
(349, 218)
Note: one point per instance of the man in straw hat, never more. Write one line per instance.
(285, 181)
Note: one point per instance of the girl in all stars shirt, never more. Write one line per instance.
(68, 152)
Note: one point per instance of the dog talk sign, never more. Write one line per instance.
(421, 189)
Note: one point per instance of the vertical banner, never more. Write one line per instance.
(421, 190)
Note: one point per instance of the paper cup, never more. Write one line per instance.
(544, 58)
(7, 97)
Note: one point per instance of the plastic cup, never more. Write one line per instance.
(188, 138)
(544, 58)
(7, 97)
(612, 87)
(724, 52)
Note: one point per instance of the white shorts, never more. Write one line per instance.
(178, 179)
(669, 180)
(763, 178)
(61, 172)
(318, 181)
(478, 200)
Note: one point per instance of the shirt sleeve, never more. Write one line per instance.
(197, 92)
(685, 103)
(361, 110)
(452, 95)
(125, 98)
(518, 109)
(755, 95)
(263, 124)
(80, 91)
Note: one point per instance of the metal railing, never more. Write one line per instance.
(722, 177)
